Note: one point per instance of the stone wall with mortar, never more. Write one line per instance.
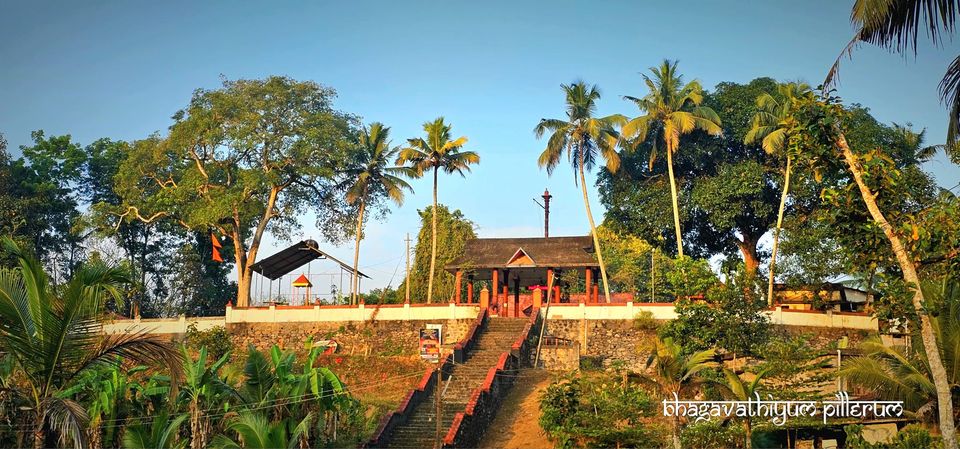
(606, 341)
(384, 338)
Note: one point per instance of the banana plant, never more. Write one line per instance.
(160, 434)
(203, 388)
(256, 431)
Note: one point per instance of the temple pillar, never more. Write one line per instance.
(506, 297)
(589, 285)
(459, 288)
(484, 299)
(494, 287)
(506, 293)
(515, 303)
(470, 290)
(596, 293)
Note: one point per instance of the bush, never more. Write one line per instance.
(726, 319)
(216, 340)
(598, 410)
(912, 436)
(712, 435)
(645, 321)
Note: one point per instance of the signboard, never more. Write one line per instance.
(439, 328)
(430, 345)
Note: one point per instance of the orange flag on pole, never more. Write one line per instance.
(216, 247)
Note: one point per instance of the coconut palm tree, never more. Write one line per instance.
(823, 116)
(896, 25)
(903, 373)
(671, 372)
(584, 139)
(736, 388)
(671, 109)
(53, 333)
(771, 126)
(433, 153)
(368, 178)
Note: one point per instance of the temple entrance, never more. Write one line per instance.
(513, 273)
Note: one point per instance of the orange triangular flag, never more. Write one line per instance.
(216, 248)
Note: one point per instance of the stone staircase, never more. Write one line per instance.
(495, 338)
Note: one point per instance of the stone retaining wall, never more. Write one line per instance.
(607, 341)
(353, 338)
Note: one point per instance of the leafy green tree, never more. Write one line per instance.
(634, 265)
(53, 333)
(584, 139)
(725, 319)
(826, 142)
(368, 179)
(436, 152)
(452, 232)
(199, 286)
(672, 372)
(671, 109)
(42, 192)
(711, 173)
(771, 126)
(240, 160)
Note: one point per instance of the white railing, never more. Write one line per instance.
(162, 325)
(427, 312)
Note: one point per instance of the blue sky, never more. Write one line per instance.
(493, 69)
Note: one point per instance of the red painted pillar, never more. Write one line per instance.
(459, 282)
(589, 287)
(596, 293)
(470, 292)
(504, 308)
(495, 288)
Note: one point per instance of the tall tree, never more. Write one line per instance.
(771, 125)
(584, 139)
(53, 333)
(712, 172)
(453, 231)
(242, 159)
(824, 120)
(43, 187)
(368, 179)
(671, 109)
(434, 153)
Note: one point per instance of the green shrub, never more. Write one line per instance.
(712, 435)
(216, 340)
(645, 321)
(909, 437)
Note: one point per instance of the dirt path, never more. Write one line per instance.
(515, 426)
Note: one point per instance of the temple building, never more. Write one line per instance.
(512, 267)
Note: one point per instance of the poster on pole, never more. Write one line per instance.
(430, 345)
